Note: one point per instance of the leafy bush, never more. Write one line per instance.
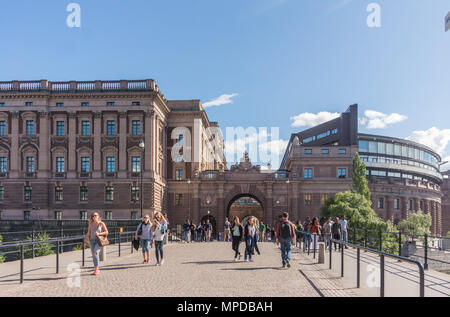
(41, 249)
(79, 246)
(2, 257)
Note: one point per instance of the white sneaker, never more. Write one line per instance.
(235, 259)
(245, 260)
(251, 260)
(162, 262)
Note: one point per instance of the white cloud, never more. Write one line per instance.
(434, 138)
(310, 119)
(446, 167)
(378, 120)
(220, 101)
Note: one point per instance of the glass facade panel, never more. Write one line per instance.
(373, 147)
(363, 146)
(381, 148)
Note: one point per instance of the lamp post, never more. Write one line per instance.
(189, 199)
(287, 194)
(141, 198)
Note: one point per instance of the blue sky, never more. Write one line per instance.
(278, 58)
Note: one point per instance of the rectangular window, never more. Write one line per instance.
(342, 173)
(59, 104)
(308, 151)
(363, 146)
(111, 104)
(30, 164)
(29, 104)
(30, 127)
(58, 215)
(60, 128)
(135, 191)
(110, 164)
(58, 193)
(390, 149)
(396, 204)
(111, 127)
(136, 127)
(27, 193)
(2, 104)
(83, 215)
(308, 173)
(180, 140)
(381, 148)
(342, 151)
(85, 104)
(3, 164)
(2, 193)
(325, 151)
(411, 205)
(136, 164)
(397, 150)
(85, 128)
(134, 215)
(85, 164)
(2, 128)
(108, 215)
(380, 203)
(373, 147)
(308, 200)
(60, 165)
(109, 196)
(136, 103)
(179, 175)
(83, 193)
(178, 199)
(26, 215)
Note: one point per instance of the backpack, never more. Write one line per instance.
(285, 230)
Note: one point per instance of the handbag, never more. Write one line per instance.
(102, 241)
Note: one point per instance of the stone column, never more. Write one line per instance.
(97, 157)
(434, 218)
(149, 146)
(439, 219)
(71, 150)
(123, 154)
(15, 154)
(426, 206)
(44, 147)
(416, 204)
(221, 212)
(390, 209)
(404, 208)
(269, 204)
(195, 202)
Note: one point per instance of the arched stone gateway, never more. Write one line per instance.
(245, 206)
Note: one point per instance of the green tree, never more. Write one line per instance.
(2, 257)
(417, 224)
(41, 249)
(359, 178)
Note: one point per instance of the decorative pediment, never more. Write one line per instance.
(245, 166)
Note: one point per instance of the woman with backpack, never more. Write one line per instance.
(145, 234)
(237, 233)
(96, 231)
(159, 229)
(250, 236)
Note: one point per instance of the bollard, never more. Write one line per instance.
(120, 238)
(82, 252)
(103, 254)
(382, 275)
(342, 260)
(321, 253)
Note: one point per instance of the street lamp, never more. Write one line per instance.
(189, 199)
(141, 198)
(287, 194)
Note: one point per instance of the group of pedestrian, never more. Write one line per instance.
(247, 233)
(200, 233)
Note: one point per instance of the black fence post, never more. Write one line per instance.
(365, 238)
(57, 257)
(380, 234)
(22, 256)
(382, 275)
(62, 237)
(399, 243)
(120, 238)
(32, 246)
(83, 251)
(314, 247)
(331, 255)
(425, 265)
(342, 259)
(358, 267)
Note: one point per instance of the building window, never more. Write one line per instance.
(3, 164)
(2, 193)
(179, 175)
(85, 128)
(135, 191)
(60, 165)
(83, 215)
(111, 104)
(83, 193)
(308, 151)
(380, 203)
(2, 104)
(324, 198)
(58, 215)
(2, 128)
(111, 127)
(30, 127)
(136, 103)
(308, 200)
(411, 205)
(27, 193)
(30, 164)
(342, 173)
(180, 140)
(58, 193)
(85, 104)
(396, 204)
(325, 151)
(109, 193)
(308, 173)
(136, 164)
(108, 215)
(85, 164)
(342, 151)
(26, 215)
(110, 164)
(59, 104)
(60, 128)
(136, 127)
(29, 104)
(178, 199)
(134, 215)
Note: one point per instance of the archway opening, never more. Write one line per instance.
(245, 206)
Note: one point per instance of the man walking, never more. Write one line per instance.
(337, 233)
(285, 237)
(343, 223)
(327, 232)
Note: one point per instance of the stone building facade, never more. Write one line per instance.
(68, 149)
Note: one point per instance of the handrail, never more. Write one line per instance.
(382, 266)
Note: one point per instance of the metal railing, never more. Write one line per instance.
(382, 264)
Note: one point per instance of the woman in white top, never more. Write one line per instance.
(250, 235)
(145, 233)
(159, 229)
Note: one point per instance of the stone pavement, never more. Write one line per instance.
(196, 269)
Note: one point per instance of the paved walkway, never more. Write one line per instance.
(197, 269)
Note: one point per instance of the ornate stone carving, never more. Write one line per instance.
(85, 141)
(59, 141)
(245, 166)
(110, 141)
